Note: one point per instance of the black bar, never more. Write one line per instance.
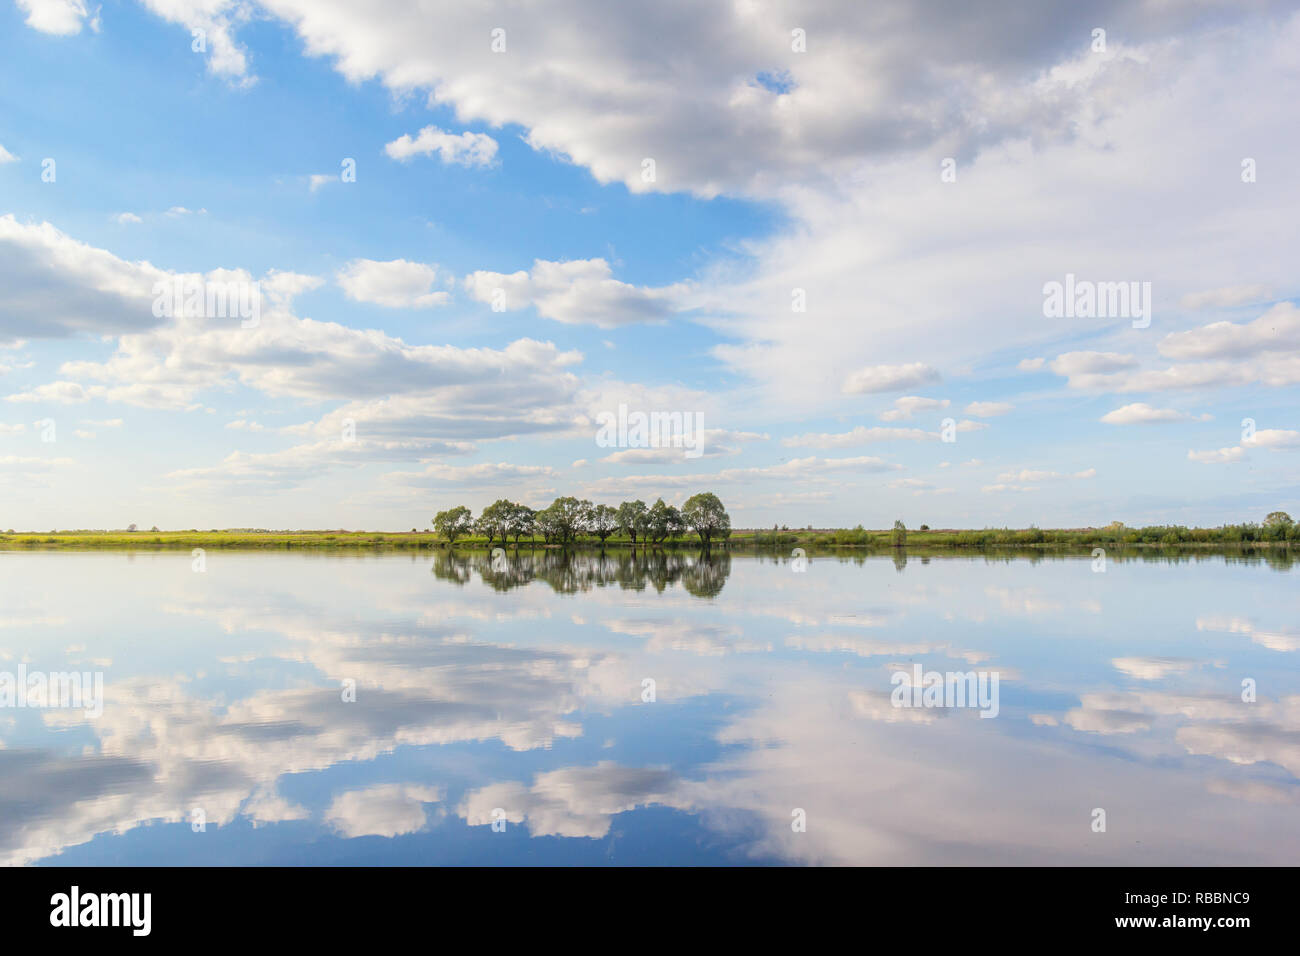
(332, 905)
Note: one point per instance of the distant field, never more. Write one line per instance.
(857, 538)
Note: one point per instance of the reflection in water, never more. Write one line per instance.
(653, 706)
(701, 573)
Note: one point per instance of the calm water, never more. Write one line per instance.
(519, 694)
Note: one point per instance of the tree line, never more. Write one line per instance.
(566, 520)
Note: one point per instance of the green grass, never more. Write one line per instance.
(1246, 535)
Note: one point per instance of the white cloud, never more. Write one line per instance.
(860, 435)
(1153, 668)
(1273, 639)
(6, 156)
(1227, 297)
(988, 409)
(1030, 364)
(1278, 329)
(1219, 456)
(62, 393)
(574, 801)
(489, 474)
(396, 284)
(907, 406)
(466, 149)
(219, 20)
(1140, 413)
(59, 17)
(1276, 439)
(386, 810)
(1036, 476)
(55, 286)
(1073, 364)
(579, 291)
(888, 378)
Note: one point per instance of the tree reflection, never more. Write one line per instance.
(702, 573)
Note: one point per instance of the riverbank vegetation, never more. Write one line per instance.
(702, 521)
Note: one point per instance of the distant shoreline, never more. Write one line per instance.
(1230, 537)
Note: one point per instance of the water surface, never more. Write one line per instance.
(516, 690)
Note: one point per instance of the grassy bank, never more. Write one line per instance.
(1230, 536)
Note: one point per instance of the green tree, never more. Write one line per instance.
(898, 537)
(522, 521)
(602, 521)
(454, 523)
(705, 515)
(633, 518)
(664, 521)
(494, 522)
(1276, 518)
(567, 518)
(546, 523)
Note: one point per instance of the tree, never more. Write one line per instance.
(130, 527)
(603, 521)
(566, 518)
(633, 518)
(898, 537)
(705, 515)
(663, 521)
(546, 524)
(454, 523)
(522, 522)
(494, 522)
(1276, 518)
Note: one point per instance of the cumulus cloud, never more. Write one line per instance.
(55, 286)
(889, 378)
(1140, 413)
(1278, 329)
(1275, 639)
(396, 284)
(219, 21)
(58, 17)
(1217, 456)
(387, 810)
(909, 405)
(577, 292)
(465, 149)
(575, 801)
(1277, 439)
(1073, 364)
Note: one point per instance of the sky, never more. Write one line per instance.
(828, 236)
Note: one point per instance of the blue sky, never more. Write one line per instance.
(781, 175)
